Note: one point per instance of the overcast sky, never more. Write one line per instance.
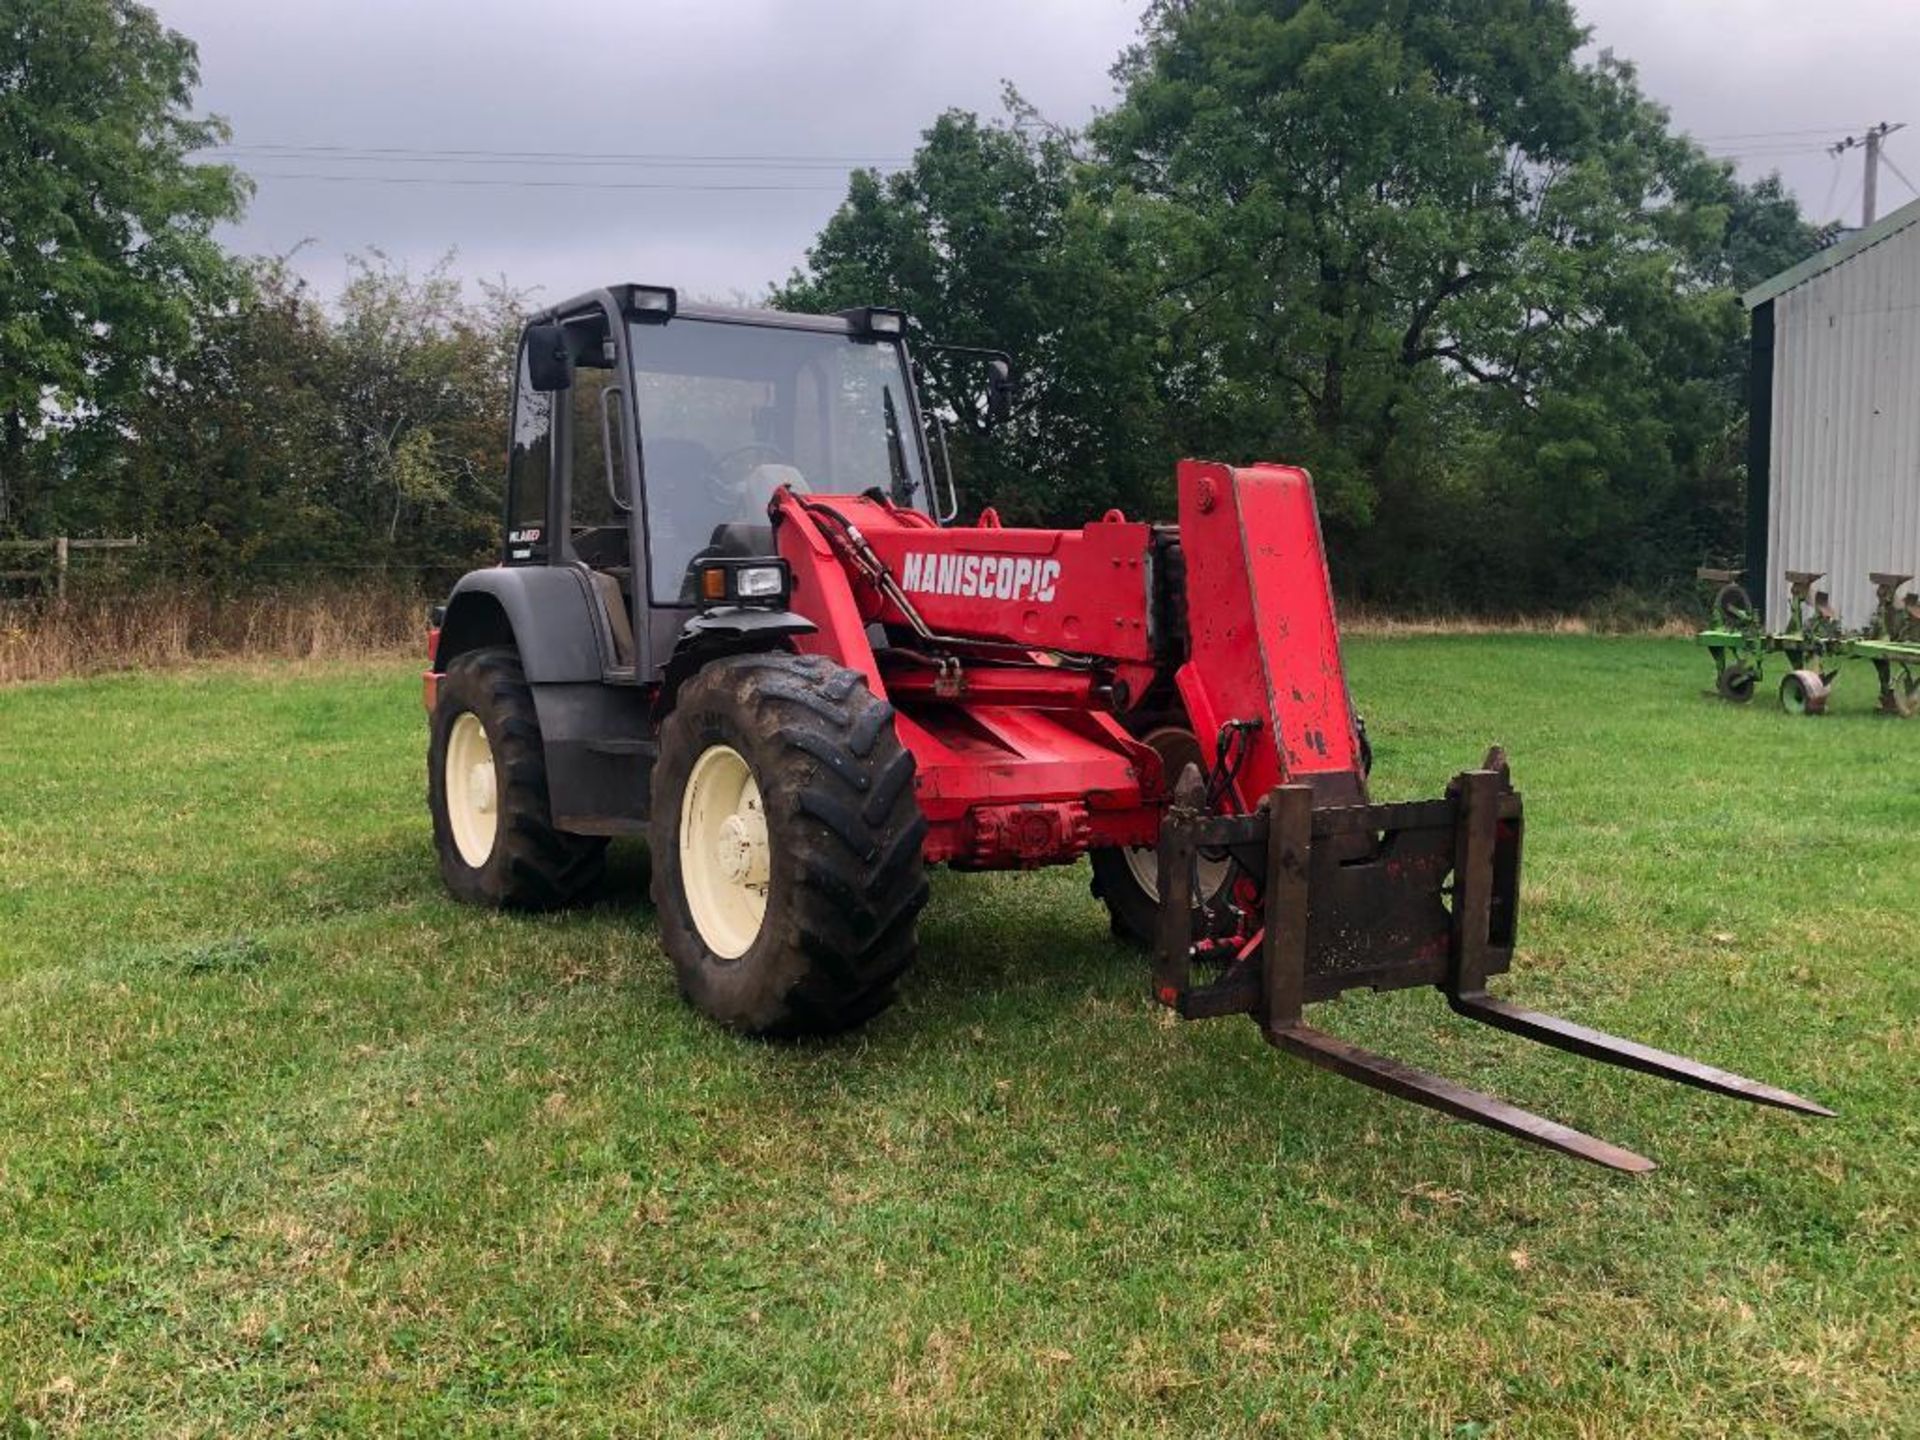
(777, 97)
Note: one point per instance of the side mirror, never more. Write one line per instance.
(549, 362)
(1000, 388)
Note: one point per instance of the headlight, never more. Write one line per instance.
(761, 582)
(652, 302)
(727, 580)
(876, 321)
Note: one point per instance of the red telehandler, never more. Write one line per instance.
(732, 614)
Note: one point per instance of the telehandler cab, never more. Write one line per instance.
(732, 614)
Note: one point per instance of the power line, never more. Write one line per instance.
(1738, 156)
(410, 154)
(1819, 130)
(1833, 184)
(558, 163)
(1851, 196)
(531, 183)
(1887, 160)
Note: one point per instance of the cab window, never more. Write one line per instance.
(597, 510)
(529, 471)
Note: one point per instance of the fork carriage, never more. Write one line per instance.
(1383, 897)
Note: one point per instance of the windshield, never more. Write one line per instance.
(729, 413)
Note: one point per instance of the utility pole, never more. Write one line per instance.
(1870, 186)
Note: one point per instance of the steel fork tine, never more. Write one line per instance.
(1423, 1088)
(1597, 1045)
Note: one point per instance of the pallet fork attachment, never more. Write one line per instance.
(1386, 897)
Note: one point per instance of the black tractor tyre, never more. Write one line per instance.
(843, 845)
(1132, 914)
(531, 865)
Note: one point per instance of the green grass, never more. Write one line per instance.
(289, 1142)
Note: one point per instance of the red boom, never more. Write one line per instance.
(1022, 756)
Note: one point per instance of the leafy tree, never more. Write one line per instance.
(298, 441)
(1449, 265)
(1472, 280)
(421, 405)
(987, 240)
(106, 249)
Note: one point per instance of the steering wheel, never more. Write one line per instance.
(732, 467)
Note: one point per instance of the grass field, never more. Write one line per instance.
(289, 1142)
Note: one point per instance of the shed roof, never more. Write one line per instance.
(1825, 260)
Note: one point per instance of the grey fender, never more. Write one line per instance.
(598, 738)
(546, 612)
(718, 633)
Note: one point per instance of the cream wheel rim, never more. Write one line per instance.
(725, 861)
(473, 793)
(1176, 748)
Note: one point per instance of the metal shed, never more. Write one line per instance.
(1834, 446)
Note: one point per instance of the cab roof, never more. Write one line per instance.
(620, 298)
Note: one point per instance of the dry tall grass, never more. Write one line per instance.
(1365, 620)
(85, 636)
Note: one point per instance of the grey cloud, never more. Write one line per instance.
(854, 78)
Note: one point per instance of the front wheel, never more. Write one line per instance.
(787, 840)
(1128, 879)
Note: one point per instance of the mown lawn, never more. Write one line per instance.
(289, 1142)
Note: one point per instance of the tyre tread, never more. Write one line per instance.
(540, 867)
(848, 929)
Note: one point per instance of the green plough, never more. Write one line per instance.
(1814, 645)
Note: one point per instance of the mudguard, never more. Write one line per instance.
(547, 612)
(598, 737)
(732, 631)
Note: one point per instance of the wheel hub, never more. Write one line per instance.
(726, 861)
(473, 790)
(742, 847)
(480, 787)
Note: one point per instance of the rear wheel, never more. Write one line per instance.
(487, 790)
(1128, 879)
(1900, 694)
(787, 846)
(1733, 608)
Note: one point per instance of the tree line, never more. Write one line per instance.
(1429, 248)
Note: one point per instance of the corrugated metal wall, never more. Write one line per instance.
(1846, 426)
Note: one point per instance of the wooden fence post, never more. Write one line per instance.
(62, 547)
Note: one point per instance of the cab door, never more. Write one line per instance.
(596, 471)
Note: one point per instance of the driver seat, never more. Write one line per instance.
(751, 532)
(763, 482)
